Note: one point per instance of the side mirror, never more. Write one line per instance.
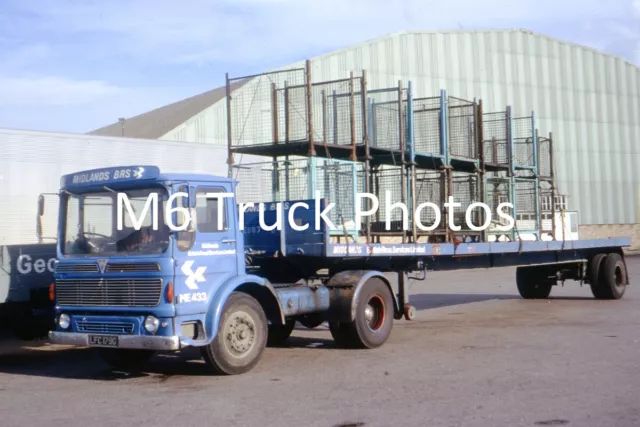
(40, 205)
(39, 228)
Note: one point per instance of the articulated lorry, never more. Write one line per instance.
(230, 286)
(29, 161)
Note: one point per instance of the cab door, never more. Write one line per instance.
(206, 258)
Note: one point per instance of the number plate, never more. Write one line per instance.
(103, 340)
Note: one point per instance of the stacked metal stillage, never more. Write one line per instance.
(337, 138)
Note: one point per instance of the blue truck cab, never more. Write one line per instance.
(131, 289)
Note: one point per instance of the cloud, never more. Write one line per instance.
(24, 56)
(52, 91)
(241, 31)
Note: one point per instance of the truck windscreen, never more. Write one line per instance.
(92, 226)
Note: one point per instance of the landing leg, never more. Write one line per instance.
(406, 310)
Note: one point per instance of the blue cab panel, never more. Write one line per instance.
(287, 241)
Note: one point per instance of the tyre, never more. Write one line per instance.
(373, 320)
(125, 359)
(278, 334)
(594, 270)
(612, 280)
(532, 283)
(241, 338)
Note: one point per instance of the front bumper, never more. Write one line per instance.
(125, 341)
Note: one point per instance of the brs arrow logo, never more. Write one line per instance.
(138, 173)
(193, 277)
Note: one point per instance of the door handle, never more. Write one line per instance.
(229, 241)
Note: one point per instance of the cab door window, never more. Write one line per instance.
(207, 213)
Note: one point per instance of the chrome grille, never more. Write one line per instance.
(109, 292)
(104, 327)
(139, 267)
(77, 268)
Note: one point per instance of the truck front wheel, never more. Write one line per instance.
(241, 338)
(373, 318)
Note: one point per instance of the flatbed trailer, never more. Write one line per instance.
(287, 254)
(232, 287)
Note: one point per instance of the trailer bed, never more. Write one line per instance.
(312, 243)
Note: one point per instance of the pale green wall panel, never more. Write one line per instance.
(589, 100)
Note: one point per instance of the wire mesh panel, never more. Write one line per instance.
(385, 118)
(525, 192)
(523, 138)
(430, 187)
(337, 112)
(277, 181)
(465, 190)
(336, 182)
(526, 205)
(544, 158)
(498, 191)
(462, 128)
(496, 138)
(427, 125)
(546, 208)
(260, 109)
(291, 113)
(299, 179)
(388, 179)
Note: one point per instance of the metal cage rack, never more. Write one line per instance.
(338, 138)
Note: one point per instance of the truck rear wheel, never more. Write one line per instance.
(532, 283)
(241, 338)
(126, 359)
(611, 279)
(373, 320)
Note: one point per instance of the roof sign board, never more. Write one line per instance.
(106, 176)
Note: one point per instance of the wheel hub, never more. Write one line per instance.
(374, 313)
(240, 333)
(368, 313)
(619, 279)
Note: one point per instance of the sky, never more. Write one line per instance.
(77, 65)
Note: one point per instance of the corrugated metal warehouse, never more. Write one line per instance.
(588, 99)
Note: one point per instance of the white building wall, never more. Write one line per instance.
(33, 163)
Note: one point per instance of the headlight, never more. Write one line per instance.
(64, 321)
(151, 324)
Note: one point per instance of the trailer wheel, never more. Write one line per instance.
(125, 359)
(278, 334)
(373, 320)
(594, 273)
(241, 338)
(612, 278)
(532, 284)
